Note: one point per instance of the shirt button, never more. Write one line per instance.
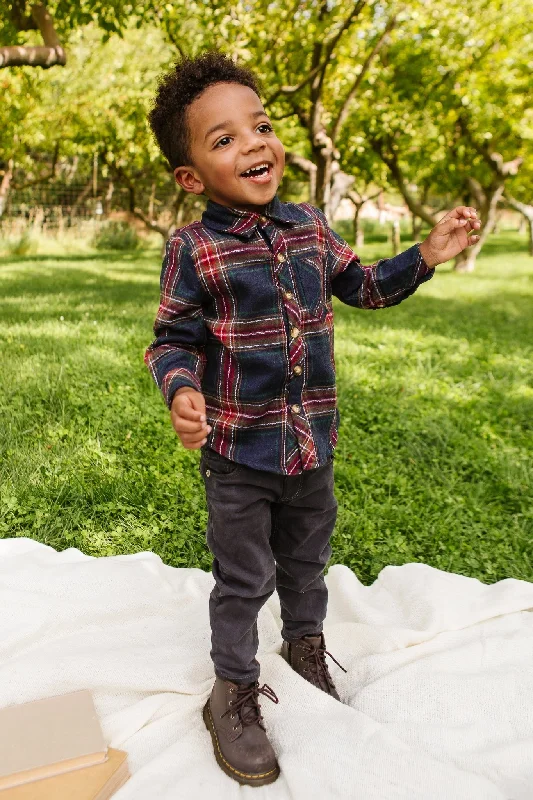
(294, 332)
(208, 472)
(297, 369)
(280, 257)
(295, 408)
(289, 295)
(263, 220)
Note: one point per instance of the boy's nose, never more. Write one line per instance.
(254, 143)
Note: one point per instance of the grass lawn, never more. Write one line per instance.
(434, 459)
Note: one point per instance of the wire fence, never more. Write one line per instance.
(56, 207)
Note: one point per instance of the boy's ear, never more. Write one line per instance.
(188, 180)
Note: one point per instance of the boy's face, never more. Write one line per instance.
(230, 132)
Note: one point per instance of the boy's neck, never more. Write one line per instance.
(235, 207)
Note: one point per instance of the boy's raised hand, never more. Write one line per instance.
(450, 235)
(188, 417)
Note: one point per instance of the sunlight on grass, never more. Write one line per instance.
(434, 459)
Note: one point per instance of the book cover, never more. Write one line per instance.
(49, 736)
(98, 782)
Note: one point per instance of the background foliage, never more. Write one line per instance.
(424, 103)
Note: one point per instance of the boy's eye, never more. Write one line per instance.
(223, 140)
(267, 126)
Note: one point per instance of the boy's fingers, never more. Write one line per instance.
(191, 442)
(187, 426)
(197, 401)
(186, 412)
(190, 405)
(192, 438)
(461, 212)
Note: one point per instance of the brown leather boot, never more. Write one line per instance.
(233, 717)
(307, 657)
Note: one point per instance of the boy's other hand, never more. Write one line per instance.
(450, 235)
(188, 417)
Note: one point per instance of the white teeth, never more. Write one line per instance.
(255, 170)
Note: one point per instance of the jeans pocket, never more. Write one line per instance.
(216, 463)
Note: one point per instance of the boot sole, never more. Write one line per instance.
(248, 779)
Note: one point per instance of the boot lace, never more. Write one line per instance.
(316, 658)
(246, 705)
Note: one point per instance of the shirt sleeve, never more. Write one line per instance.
(385, 283)
(176, 357)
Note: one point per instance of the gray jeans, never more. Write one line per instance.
(266, 531)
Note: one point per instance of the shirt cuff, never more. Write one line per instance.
(177, 383)
(421, 264)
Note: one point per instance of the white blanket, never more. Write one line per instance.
(437, 700)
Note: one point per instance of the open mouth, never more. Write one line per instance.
(259, 174)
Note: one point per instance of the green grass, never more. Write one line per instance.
(434, 459)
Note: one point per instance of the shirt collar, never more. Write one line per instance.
(244, 223)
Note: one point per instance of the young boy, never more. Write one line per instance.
(244, 358)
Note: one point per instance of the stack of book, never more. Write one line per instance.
(54, 749)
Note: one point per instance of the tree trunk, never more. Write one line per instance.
(341, 184)
(6, 183)
(324, 162)
(395, 237)
(179, 205)
(309, 168)
(466, 261)
(81, 197)
(358, 233)
(151, 201)
(108, 198)
(417, 227)
(526, 211)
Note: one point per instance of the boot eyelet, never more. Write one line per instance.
(235, 727)
(233, 716)
(302, 658)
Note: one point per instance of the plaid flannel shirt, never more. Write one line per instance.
(246, 318)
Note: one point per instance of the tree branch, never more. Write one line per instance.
(343, 113)
(495, 160)
(391, 160)
(293, 89)
(329, 47)
(150, 223)
(320, 64)
(175, 42)
(524, 209)
(301, 163)
(45, 176)
(51, 54)
(306, 166)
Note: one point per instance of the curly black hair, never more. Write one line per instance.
(177, 89)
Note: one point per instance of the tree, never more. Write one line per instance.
(97, 107)
(57, 19)
(452, 109)
(324, 53)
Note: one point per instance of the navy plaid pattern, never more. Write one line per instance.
(246, 318)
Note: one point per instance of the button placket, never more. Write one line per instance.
(296, 345)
